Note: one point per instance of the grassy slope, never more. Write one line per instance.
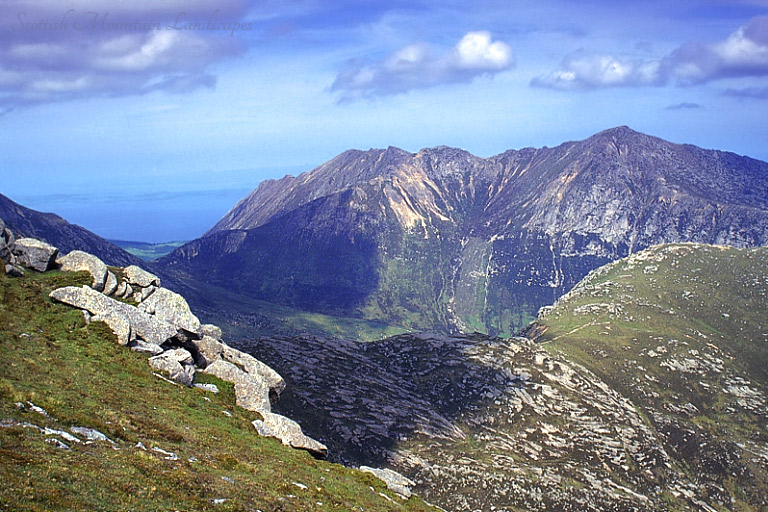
(82, 378)
(702, 306)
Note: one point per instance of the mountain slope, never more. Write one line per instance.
(25, 222)
(445, 240)
(645, 389)
(85, 425)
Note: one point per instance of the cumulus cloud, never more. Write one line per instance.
(420, 66)
(581, 71)
(743, 54)
(50, 51)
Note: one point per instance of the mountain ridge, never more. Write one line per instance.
(459, 243)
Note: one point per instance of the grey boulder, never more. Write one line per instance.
(172, 308)
(138, 277)
(119, 324)
(35, 254)
(176, 365)
(143, 347)
(250, 394)
(147, 327)
(255, 368)
(13, 271)
(289, 433)
(77, 261)
(396, 482)
(110, 287)
(214, 331)
(6, 243)
(209, 349)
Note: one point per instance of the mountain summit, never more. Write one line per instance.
(445, 240)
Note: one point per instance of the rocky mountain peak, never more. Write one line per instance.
(443, 239)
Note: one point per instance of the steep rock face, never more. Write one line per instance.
(25, 222)
(445, 240)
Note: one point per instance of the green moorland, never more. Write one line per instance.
(148, 251)
(80, 377)
(681, 330)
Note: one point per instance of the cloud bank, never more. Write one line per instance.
(418, 66)
(52, 51)
(743, 54)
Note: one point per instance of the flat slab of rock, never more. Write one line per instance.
(396, 482)
(172, 308)
(76, 261)
(138, 277)
(143, 347)
(144, 326)
(35, 254)
(289, 433)
(250, 394)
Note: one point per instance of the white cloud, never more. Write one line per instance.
(51, 51)
(743, 54)
(581, 71)
(477, 51)
(418, 66)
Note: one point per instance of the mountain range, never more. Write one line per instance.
(448, 241)
(641, 383)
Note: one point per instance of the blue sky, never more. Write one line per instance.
(148, 120)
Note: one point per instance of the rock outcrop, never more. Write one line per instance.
(395, 481)
(35, 254)
(172, 308)
(79, 260)
(289, 433)
(163, 326)
(142, 325)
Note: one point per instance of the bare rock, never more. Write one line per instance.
(77, 261)
(170, 364)
(143, 347)
(289, 433)
(35, 254)
(119, 324)
(210, 350)
(214, 331)
(255, 368)
(121, 289)
(13, 271)
(110, 287)
(147, 327)
(250, 394)
(396, 482)
(6, 242)
(138, 277)
(172, 308)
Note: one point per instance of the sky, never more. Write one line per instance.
(144, 120)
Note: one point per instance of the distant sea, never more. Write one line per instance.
(154, 217)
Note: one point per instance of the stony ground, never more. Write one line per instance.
(644, 390)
